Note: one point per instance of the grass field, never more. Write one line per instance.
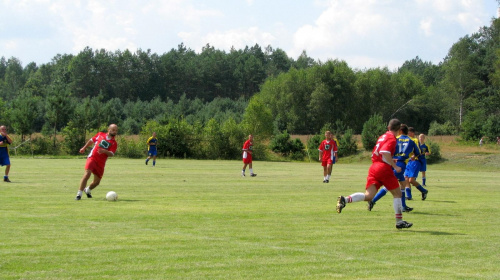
(194, 219)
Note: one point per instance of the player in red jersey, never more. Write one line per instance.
(328, 155)
(381, 173)
(247, 156)
(104, 146)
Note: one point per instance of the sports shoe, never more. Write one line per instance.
(370, 205)
(6, 180)
(403, 224)
(407, 209)
(242, 174)
(409, 198)
(87, 192)
(324, 181)
(424, 195)
(146, 162)
(253, 175)
(340, 204)
(327, 181)
(78, 197)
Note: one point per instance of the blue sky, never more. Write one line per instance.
(364, 33)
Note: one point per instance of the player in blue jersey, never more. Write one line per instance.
(412, 169)
(425, 150)
(5, 141)
(152, 151)
(404, 147)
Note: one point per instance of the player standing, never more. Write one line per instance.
(328, 155)
(5, 141)
(247, 156)
(152, 151)
(104, 146)
(426, 150)
(412, 169)
(380, 173)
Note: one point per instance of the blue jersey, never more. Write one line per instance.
(405, 146)
(4, 151)
(152, 141)
(424, 149)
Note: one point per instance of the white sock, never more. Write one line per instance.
(356, 197)
(251, 171)
(87, 189)
(79, 193)
(328, 177)
(398, 207)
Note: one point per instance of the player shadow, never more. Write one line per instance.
(433, 232)
(430, 214)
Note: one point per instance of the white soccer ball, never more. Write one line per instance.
(111, 196)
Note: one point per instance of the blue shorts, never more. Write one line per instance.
(152, 153)
(4, 157)
(423, 164)
(412, 169)
(400, 175)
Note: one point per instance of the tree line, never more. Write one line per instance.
(263, 91)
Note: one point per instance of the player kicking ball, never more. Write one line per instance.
(381, 173)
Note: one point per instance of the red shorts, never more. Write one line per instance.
(381, 174)
(93, 166)
(327, 162)
(247, 158)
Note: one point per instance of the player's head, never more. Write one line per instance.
(404, 129)
(394, 125)
(328, 135)
(411, 131)
(250, 137)
(421, 138)
(154, 134)
(3, 128)
(112, 130)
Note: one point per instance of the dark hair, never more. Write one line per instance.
(394, 125)
(411, 129)
(404, 128)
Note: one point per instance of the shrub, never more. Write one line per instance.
(130, 148)
(312, 146)
(281, 144)
(442, 129)
(372, 129)
(347, 144)
(435, 155)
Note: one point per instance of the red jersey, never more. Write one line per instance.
(248, 145)
(101, 140)
(385, 144)
(328, 148)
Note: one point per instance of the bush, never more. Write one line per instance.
(442, 129)
(347, 145)
(435, 155)
(130, 148)
(281, 144)
(312, 146)
(372, 129)
(472, 125)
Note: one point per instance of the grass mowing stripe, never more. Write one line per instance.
(201, 219)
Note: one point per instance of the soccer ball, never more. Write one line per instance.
(111, 196)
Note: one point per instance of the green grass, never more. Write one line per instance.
(194, 219)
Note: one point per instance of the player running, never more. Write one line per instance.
(104, 146)
(405, 146)
(426, 150)
(412, 169)
(380, 173)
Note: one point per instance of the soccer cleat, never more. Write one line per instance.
(324, 181)
(327, 181)
(6, 180)
(87, 192)
(340, 204)
(78, 197)
(407, 209)
(242, 174)
(253, 175)
(409, 198)
(370, 205)
(424, 195)
(403, 224)
(146, 162)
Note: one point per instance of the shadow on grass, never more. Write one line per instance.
(431, 214)
(432, 232)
